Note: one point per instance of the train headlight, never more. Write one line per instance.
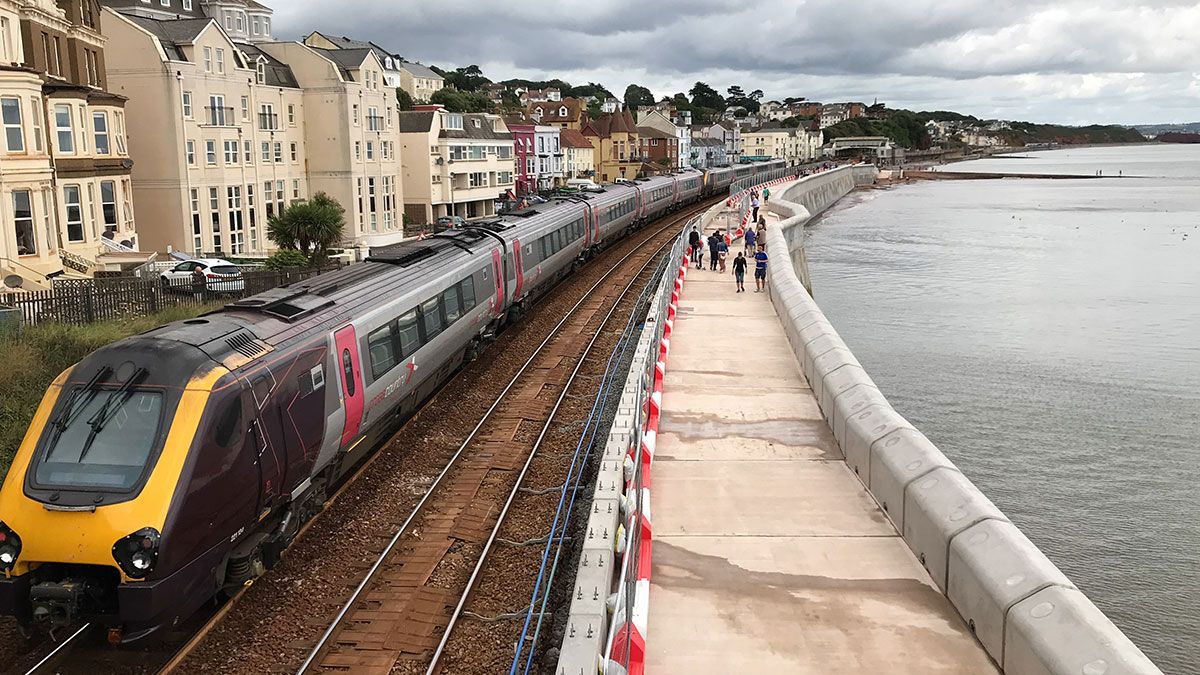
(10, 548)
(137, 553)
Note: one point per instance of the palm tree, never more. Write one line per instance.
(309, 226)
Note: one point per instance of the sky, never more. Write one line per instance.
(1069, 62)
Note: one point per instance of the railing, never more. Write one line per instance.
(268, 121)
(374, 122)
(116, 246)
(86, 301)
(218, 116)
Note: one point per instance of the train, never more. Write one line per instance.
(176, 465)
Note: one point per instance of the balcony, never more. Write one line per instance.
(218, 117)
(375, 122)
(268, 121)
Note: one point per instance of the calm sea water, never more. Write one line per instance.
(1046, 335)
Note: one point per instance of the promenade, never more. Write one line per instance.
(769, 555)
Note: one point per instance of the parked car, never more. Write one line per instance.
(447, 222)
(221, 276)
(584, 184)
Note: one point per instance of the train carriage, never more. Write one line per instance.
(688, 183)
(614, 210)
(658, 196)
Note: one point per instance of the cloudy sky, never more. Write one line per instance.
(1073, 62)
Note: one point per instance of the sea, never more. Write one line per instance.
(1045, 334)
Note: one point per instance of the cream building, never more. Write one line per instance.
(217, 130)
(778, 143)
(64, 163)
(352, 137)
(580, 159)
(420, 81)
(454, 163)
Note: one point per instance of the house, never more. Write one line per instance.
(668, 120)
(567, 113)
(548, 147)
(728, 133)
(495, 92)
(217, 127)
(659, 147)
(454, 163)
(528, 96)
(391, 63)
(614, 142)
(708, 153)
(774, 111)
(611, 105)
(579, 160)
(525, 158)
(771, 141)
(832, 114)
(350, 138)
(64, 163)
(419, 81)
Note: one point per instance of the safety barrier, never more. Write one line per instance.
(1023, 610)
(606, 626)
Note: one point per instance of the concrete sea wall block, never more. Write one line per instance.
(849, 391)
(938, 507)
(817, 347)
(897, 460)
(826, 364)
(863, 429)
(1058, 631)
(993, 567)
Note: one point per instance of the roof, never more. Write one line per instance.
(344, 42)
(174, 7)
(552, 108)
(173, 33)
(707, 141)
(421, 121)
(651, 132)
(416, 121)
(572, 138)
(419, 70)
(346, 59)
(278, 73)
(612, 123)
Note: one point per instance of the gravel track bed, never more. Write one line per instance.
(283, 614)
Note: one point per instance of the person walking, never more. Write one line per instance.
(739, 272)
(760, 234)
(760, 269)
(750, 237)
(722, 251)
(754, 206)
(714, 243)
(199, 283)
(766, 195)
(694, 244)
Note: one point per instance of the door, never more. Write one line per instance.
(498, 272)
(518, 269)
(350, 374)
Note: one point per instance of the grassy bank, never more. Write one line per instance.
(34, 357)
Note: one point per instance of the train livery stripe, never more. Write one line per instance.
(88, 538)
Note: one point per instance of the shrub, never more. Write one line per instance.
(287, 258)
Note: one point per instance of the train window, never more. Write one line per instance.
(452, 304)
(431, 318)
(228, 430)
(410, 335)
(111, 455)
(381, 344)
(348, 372)
(467, 288)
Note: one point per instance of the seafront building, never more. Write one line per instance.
(614, 140)
(65, 164)
(454, 163)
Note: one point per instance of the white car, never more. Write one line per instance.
(220, 276)
(584, 185)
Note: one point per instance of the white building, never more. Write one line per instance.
(548, 146)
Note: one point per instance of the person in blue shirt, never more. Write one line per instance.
(760, 269)
(749, 236)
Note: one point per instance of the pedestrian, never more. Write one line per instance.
(722, 251)
(199, 283)
(694, 243)
(766, 195)
(750, 237)
(760, 269)
(699, 250)
(754, 206)
(761, 235)
(739, 272)
(714, 244)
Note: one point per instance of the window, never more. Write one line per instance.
(478, 152)
(452, 304)
(93, 70)
(253, 221)
(260, 71)
(295, 188)
(359, 193)
(504, 178)
(231, 152)
(214, 209)
(66, 134)
(454, 121)
(72, 200)
(241, 26)
(6, 51)
(431, 319)
(100, 124)
(83, 125)
(371, 206)
(197, 236)
(370, 150)
(208, 59)
(477, 179)
(385, 148)
(218, 114)
(108, 204)
(210, 151)
(458, 152)
(248, 152)
(266, 151)
(191, 152)
(354, 114)
(267, 119)
(357, 149)
(245, 108)
(254, 26)
(187, 5)
(291, 115)
(23, 222)
(187, 105)
(374, 121)
(14, 132)
(237, 235)
(36, 118)
(57, 56)
(278, 151)
(221, 61)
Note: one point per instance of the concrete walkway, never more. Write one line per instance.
(769, 555)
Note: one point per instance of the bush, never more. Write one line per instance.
(287, 258)
(46, 350)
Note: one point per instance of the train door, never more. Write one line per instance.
(498, 272)
(350, 375)
(518, 269)
(268, 442)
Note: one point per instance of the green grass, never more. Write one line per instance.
(32, 358)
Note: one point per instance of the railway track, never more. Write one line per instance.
(465, 522)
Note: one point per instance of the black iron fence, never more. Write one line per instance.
(84, 301)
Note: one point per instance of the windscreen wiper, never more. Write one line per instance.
(70, 410)
(108, 410)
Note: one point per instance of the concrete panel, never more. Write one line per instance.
(1058, 631)
(826, 365)
(896, 460)
(851, 390)
(993, 567)
(863, 429)
(937, 507)
(814, 349)
(816, 329)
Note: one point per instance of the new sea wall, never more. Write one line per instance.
(1023, 610)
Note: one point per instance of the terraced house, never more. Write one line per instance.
(454, 163)
(64, 164)
(614, 140)
(217, 124)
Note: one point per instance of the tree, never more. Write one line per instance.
(637, 96)
(461, 101)
(590, 89)
(756, 95)
(404, 102)
(704, 96)
(594, 110)
(469, 78)
(309, 226)
(735, 92)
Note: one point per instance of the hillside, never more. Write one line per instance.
(1027, 133)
